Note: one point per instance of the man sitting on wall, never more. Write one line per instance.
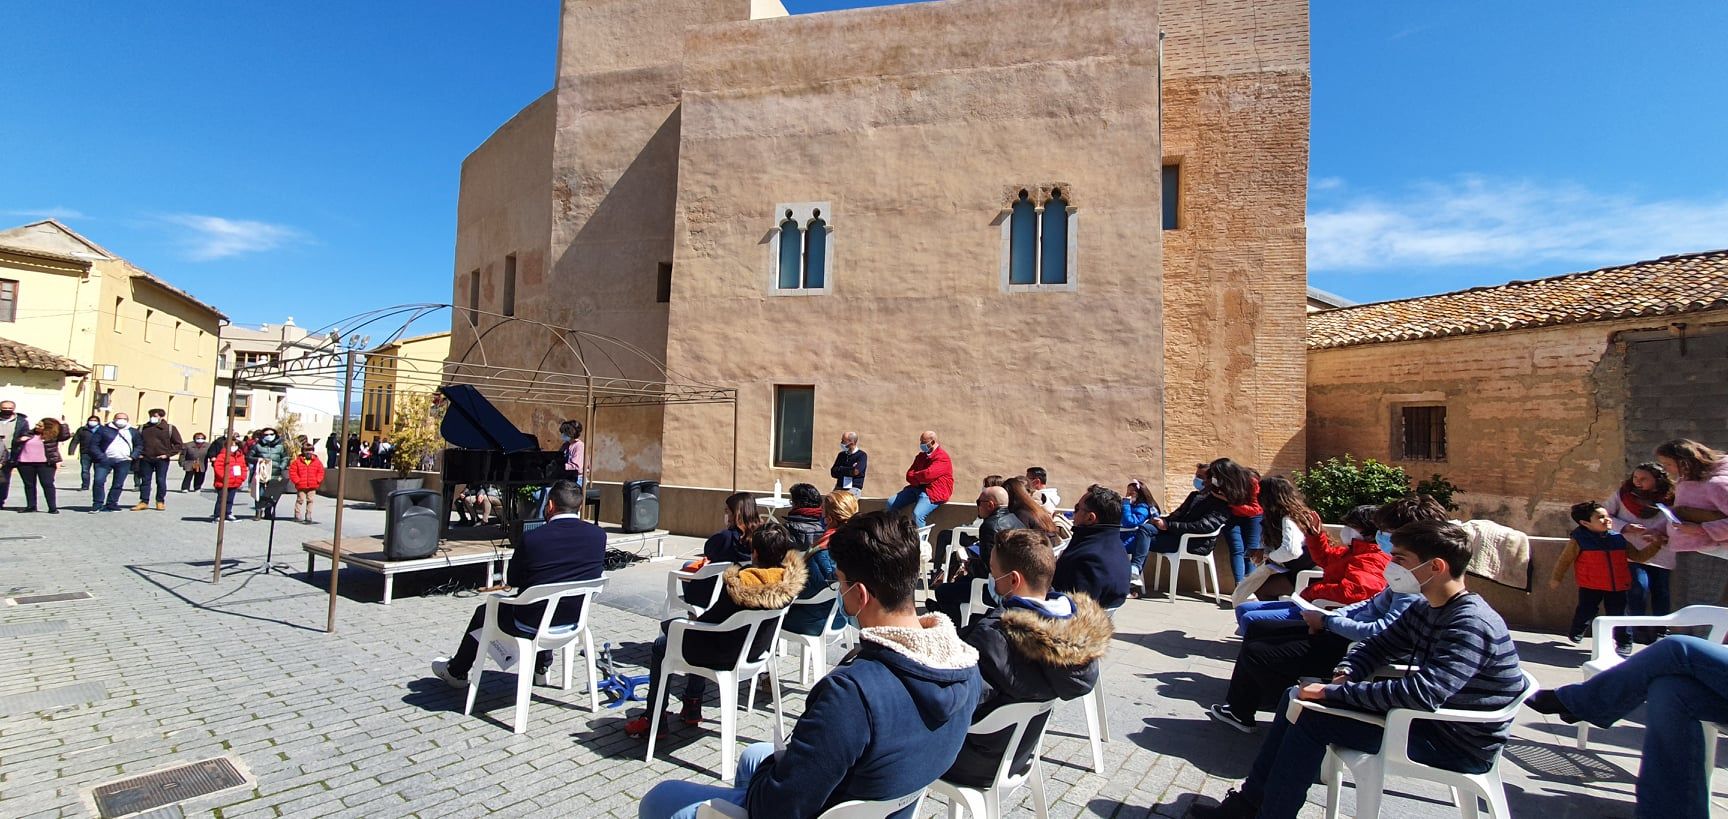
(567, 549)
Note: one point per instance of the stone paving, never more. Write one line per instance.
(161, 667)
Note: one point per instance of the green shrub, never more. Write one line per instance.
(1336, 485)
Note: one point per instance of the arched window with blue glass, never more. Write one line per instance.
(815, 251)
(1053, 259)
(1023, 240)
(791, 249)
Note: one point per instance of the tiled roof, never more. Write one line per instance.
(18, 355)
(1665, 286)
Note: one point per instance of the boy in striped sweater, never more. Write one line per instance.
(1464, 657)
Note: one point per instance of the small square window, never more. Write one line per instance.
(1423, 433)
(8, 300)
(242, 405)
(794, 422)
(510, 285)
(474, 298)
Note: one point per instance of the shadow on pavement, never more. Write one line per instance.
(1213, 748)
(175, 576)
(1180, 645)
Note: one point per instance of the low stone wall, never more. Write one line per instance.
(360, 482)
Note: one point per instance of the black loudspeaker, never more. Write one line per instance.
(641, 506)
(411, 524)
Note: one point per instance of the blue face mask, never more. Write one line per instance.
(1199, 484)
(851, 619)
(925, 448)
(1385, 541)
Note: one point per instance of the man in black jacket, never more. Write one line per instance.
(1036, 645)
(850, 465)
(162, 444)
(1094, 563)
(951, 597)
(565, 550)
(1201, 512)
(80, 446)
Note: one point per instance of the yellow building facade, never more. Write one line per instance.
(409, 365)
(145, 343)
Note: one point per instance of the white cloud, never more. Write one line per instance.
(214, 237)
(1326, 183)
(1476, 220)
(47, 213)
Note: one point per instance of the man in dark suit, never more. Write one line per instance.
(565, 550)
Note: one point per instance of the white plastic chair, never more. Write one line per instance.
(512, 653)
(745, 669)
(813, 648)
(954, 550)
(676, 605)
(1372, 770)
(977, 605)
(1097, 720)
(1306, 578)
(1602, 656)
(925, 554)
(855, 809)
(987, 803)
(1173, 561)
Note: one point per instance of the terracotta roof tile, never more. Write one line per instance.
(18, 355)
(1665, 286)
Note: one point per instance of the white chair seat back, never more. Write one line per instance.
(676, 582)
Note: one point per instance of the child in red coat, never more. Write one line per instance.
(306, 472)
(1354, 571)
(228, 470)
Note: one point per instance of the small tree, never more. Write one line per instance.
(414, 435)
(1336, 485)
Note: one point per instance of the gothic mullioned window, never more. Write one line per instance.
(801, 249)
(1038, 240)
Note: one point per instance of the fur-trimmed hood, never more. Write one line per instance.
(1066, 642)
(752, 587)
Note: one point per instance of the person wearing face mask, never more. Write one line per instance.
(996, 521)
(36, 455)
(116, 445)
(1201, 512)
(929, 481)
(1464, 658)
(1035, 645)
(193, 458)
(161, 445)
(13, 427)
(882, 723)
(268, 461)
(80, 446)
(850, 465)
(229, 467)
(574, 450)
(1276, 653)
(567, 549)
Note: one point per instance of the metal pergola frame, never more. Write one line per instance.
(602, 382)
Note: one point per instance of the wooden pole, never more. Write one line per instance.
(222, 503)
(341, 489)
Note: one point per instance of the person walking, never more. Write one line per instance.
(193, 459)
(13, 425)
(229, 467)
(36, 455)
(162, 444)
(306, 472)
(80, 446)
(116, 444)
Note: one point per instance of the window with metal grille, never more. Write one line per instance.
(1424, 431)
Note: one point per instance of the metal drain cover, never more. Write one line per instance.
(166, 787)
(58, 597)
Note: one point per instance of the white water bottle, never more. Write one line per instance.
(776, 488)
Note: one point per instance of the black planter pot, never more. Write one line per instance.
(382, 487)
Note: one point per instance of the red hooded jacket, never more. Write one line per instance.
(306, 474)
(933, 471)
(1353, 572)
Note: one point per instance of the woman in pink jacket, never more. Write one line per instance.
(1700, 497)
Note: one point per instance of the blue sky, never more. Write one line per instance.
(302, 158)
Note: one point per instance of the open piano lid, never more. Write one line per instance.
(471, 422)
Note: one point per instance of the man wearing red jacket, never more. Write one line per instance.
(929, 483)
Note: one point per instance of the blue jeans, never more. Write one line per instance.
(1649, 585)
(231, 494)
(84, 470)
(1259, 610)
(1684, 680)
(155, 471)
(678, 800)
(918, 499)
(1243, 534)
(1289, 761)
(118, 471)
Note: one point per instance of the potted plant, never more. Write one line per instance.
(413, 437)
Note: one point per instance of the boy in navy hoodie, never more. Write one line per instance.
(884, 723)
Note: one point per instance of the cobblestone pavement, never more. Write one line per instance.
(161, 667)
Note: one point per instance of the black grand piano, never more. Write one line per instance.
(487, 449)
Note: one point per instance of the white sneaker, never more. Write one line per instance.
(441, 670)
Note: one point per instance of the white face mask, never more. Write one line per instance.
(1402, 580)
(121, 423)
